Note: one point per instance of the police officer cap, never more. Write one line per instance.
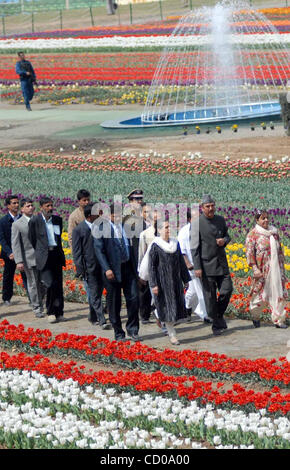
(207, 199)
(136, 194)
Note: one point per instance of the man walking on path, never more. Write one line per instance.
(77, 216)
(194, 298)
(44, 233)
(24, 257)
(27, 78)
(210, 263)
(113, 252)
(88, 267)
(6, 222)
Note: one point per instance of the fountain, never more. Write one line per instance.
(216, 68)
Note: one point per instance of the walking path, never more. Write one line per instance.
(240, 340)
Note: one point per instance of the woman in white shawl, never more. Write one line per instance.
(265, 256)
(164, 266)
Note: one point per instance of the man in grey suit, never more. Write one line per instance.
(24, 257)
(210, 263)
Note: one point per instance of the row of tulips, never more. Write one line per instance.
(268, 74)
(137, 59)
(41, 406)
(109, 93)
(86, 44)
(179, 364)
(150, 163)
(234, 396)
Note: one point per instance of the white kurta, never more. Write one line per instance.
(194, 295)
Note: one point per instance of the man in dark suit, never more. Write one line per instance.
(12, 204)
(44, 233)
(115, 257)
(88, 267)
(210, 263)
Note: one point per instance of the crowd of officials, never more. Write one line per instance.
(161, 277)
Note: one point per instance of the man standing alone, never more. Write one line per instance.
(210, 263)
(27, 78)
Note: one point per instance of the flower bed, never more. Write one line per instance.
(119, 42)
(151, 163)
(49, 412)
(140, 356)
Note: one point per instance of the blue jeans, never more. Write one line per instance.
(27, 91)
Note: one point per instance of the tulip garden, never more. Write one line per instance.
(115, 65)
(67, 391)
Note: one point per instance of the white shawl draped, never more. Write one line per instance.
(273, 290)
(168, 247)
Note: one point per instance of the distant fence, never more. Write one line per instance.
(32, 16)
(16, 7)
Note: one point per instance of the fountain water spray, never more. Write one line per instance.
(216, 68)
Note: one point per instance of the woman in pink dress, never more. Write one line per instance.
(265, 256)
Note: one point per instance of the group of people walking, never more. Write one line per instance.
(160, 276)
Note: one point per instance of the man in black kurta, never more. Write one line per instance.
(210, 263)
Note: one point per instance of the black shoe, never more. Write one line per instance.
(135, 337)
(217, 332)
(256, 323)
(121, 338)
(105, 326)
(145, 322)
(207, 320)
(60, 319)
(282, 326)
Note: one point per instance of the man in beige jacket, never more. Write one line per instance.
(77, 216)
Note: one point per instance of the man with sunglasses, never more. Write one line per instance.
(135, 198)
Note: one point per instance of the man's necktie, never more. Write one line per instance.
(123, 247)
